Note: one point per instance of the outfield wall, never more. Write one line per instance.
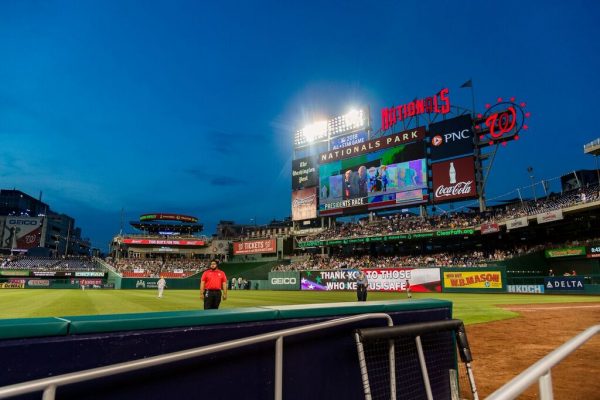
(322, 364)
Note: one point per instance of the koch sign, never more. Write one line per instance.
(451, 138)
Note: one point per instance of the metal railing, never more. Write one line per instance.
(540, 371)
(49, 385)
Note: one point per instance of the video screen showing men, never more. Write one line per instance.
(370, 180)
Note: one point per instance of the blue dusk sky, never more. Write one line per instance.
(190, 106)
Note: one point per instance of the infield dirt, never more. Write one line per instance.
(503, 349)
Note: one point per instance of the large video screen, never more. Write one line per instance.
(384, 178)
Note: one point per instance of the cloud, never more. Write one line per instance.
(215, 180)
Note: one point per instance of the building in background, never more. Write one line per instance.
(28, 224)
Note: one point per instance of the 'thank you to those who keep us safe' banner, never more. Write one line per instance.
(380, 279)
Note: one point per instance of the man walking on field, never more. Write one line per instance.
(161, 283)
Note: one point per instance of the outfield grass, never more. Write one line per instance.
(19, 303)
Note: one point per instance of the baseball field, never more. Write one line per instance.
(507, 332)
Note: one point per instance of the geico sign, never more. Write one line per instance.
(283, 281)
(22, 222)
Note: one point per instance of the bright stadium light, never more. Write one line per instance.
(353, 120)
(310, 133)
(316, 130)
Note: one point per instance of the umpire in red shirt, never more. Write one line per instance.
(213, 285)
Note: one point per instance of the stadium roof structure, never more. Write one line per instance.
(592, 148)
(162, 223)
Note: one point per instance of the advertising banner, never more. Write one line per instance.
(454, 180)
(473, 280)
(304, 204)
(165, 242)
(564, 283)
(168, 217)
(304, 173)
(22, 233)
(284, 280)
(12, 272)
(255, 247)
(517, 223)
(380, 279)
(89, 273)
(549, 216)
(489, 228)
(565, 252)
(593, 252)
(525, 288)
(451, 138)
(6, 285)
(46, 273)
(86, 281)
(395, 140)
(349, 140)
(38, 282)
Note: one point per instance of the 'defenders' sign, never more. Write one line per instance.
(255, 247)
(454, 179)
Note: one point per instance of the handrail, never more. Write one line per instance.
(49, 385)
(541, 369)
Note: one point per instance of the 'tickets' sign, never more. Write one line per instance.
(255, 247)
(454, 179)
(304, 204)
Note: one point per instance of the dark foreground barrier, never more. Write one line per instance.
(315, 365)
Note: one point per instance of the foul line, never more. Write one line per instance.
(550, 308)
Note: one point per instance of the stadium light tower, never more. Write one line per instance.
(323, 130)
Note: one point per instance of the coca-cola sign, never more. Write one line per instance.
(454, 179)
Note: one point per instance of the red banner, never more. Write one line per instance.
(454, 179)
(489, 228)
(165, 242)
(255, 247)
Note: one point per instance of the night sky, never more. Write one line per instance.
(190, 107)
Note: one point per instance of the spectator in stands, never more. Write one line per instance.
(213, 286)
(550, 272)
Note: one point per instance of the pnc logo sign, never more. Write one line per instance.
(451, 137)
